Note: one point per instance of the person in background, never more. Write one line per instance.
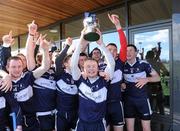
(115, 113)
(67, 92)
(83, 56)
(44, 87)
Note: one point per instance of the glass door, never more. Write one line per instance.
(153, 45)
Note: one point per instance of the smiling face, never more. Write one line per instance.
(96, 54)
(91, 68)
(81, 61)
(113, 50)
(15, 68)
(131, 53)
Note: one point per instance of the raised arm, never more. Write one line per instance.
(76, 72)
(60, 57)
(44, 45)
(123, 42)
(108, 56)
(5, 50)
(30, 46)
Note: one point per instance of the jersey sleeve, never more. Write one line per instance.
(30, 77)
(123, 44)
(78, 82)
(148, 68)
(5, 53)
(59, 61)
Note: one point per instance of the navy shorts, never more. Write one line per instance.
(66, 120)
(47, 122)
(140, 107)
(30, 123)
(115, 114)
(91, 126)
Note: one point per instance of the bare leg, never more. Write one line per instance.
(118, 128)
(130, 124)
(146, 125)
(108, 128)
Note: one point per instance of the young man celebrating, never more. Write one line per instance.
(93, 89)
(115, 113)
(22, 85)
(137, 74)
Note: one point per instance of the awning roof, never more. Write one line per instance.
(16, 14)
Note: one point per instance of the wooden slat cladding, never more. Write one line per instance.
(16, 14)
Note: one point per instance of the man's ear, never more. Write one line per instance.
(65, 64)
(7, 67)
(137, 53)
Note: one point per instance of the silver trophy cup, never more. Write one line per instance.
(91, 23)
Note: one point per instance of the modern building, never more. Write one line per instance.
(152, 25)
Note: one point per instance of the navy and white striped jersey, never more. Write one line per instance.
(140, 69)
(67, 97)
(23, 92)
(45, 91)
(114, 90)
(8, 97)
(92, 99)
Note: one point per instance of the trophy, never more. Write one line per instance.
(91, 23)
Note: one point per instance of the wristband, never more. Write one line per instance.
(31, 34)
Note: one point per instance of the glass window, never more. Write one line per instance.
(72, 47)
(149, 11)
(73, 28)
(106, 24)
(14, 47)
(23, 39)
(108, 38)
(52, 33)
(153, 46)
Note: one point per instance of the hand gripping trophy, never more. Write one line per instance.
(91, 23)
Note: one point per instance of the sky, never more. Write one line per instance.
(149, 40)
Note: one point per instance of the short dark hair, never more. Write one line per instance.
(90, 55)
(13, 58)
(21, 54)
(67, 58)
(112, 44)
(91, 59)
(83, 54)
(131, 45)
